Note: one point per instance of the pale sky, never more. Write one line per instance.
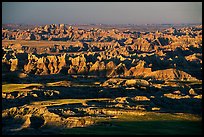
(101, 12)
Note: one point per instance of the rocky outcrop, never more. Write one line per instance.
(98, 68)
(45, 65)
(171, 74)
(110, 66)
(14, 64)
(119, 70)
(108, 53)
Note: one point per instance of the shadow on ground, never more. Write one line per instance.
(122, 128)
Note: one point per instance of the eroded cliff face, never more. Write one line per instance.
(170, 54)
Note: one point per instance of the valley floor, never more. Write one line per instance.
(93, 106)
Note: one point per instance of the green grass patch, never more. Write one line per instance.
(56, 102)
(17, 87)
(142, 128)
(151, 116)
(163, 124)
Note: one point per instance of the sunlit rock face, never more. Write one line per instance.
(176, 52)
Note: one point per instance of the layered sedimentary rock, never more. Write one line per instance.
(169, 54)
(44, 65)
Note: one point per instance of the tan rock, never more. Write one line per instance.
(14, 64)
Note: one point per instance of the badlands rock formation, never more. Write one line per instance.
(88, 74)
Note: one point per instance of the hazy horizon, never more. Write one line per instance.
(101, 12)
